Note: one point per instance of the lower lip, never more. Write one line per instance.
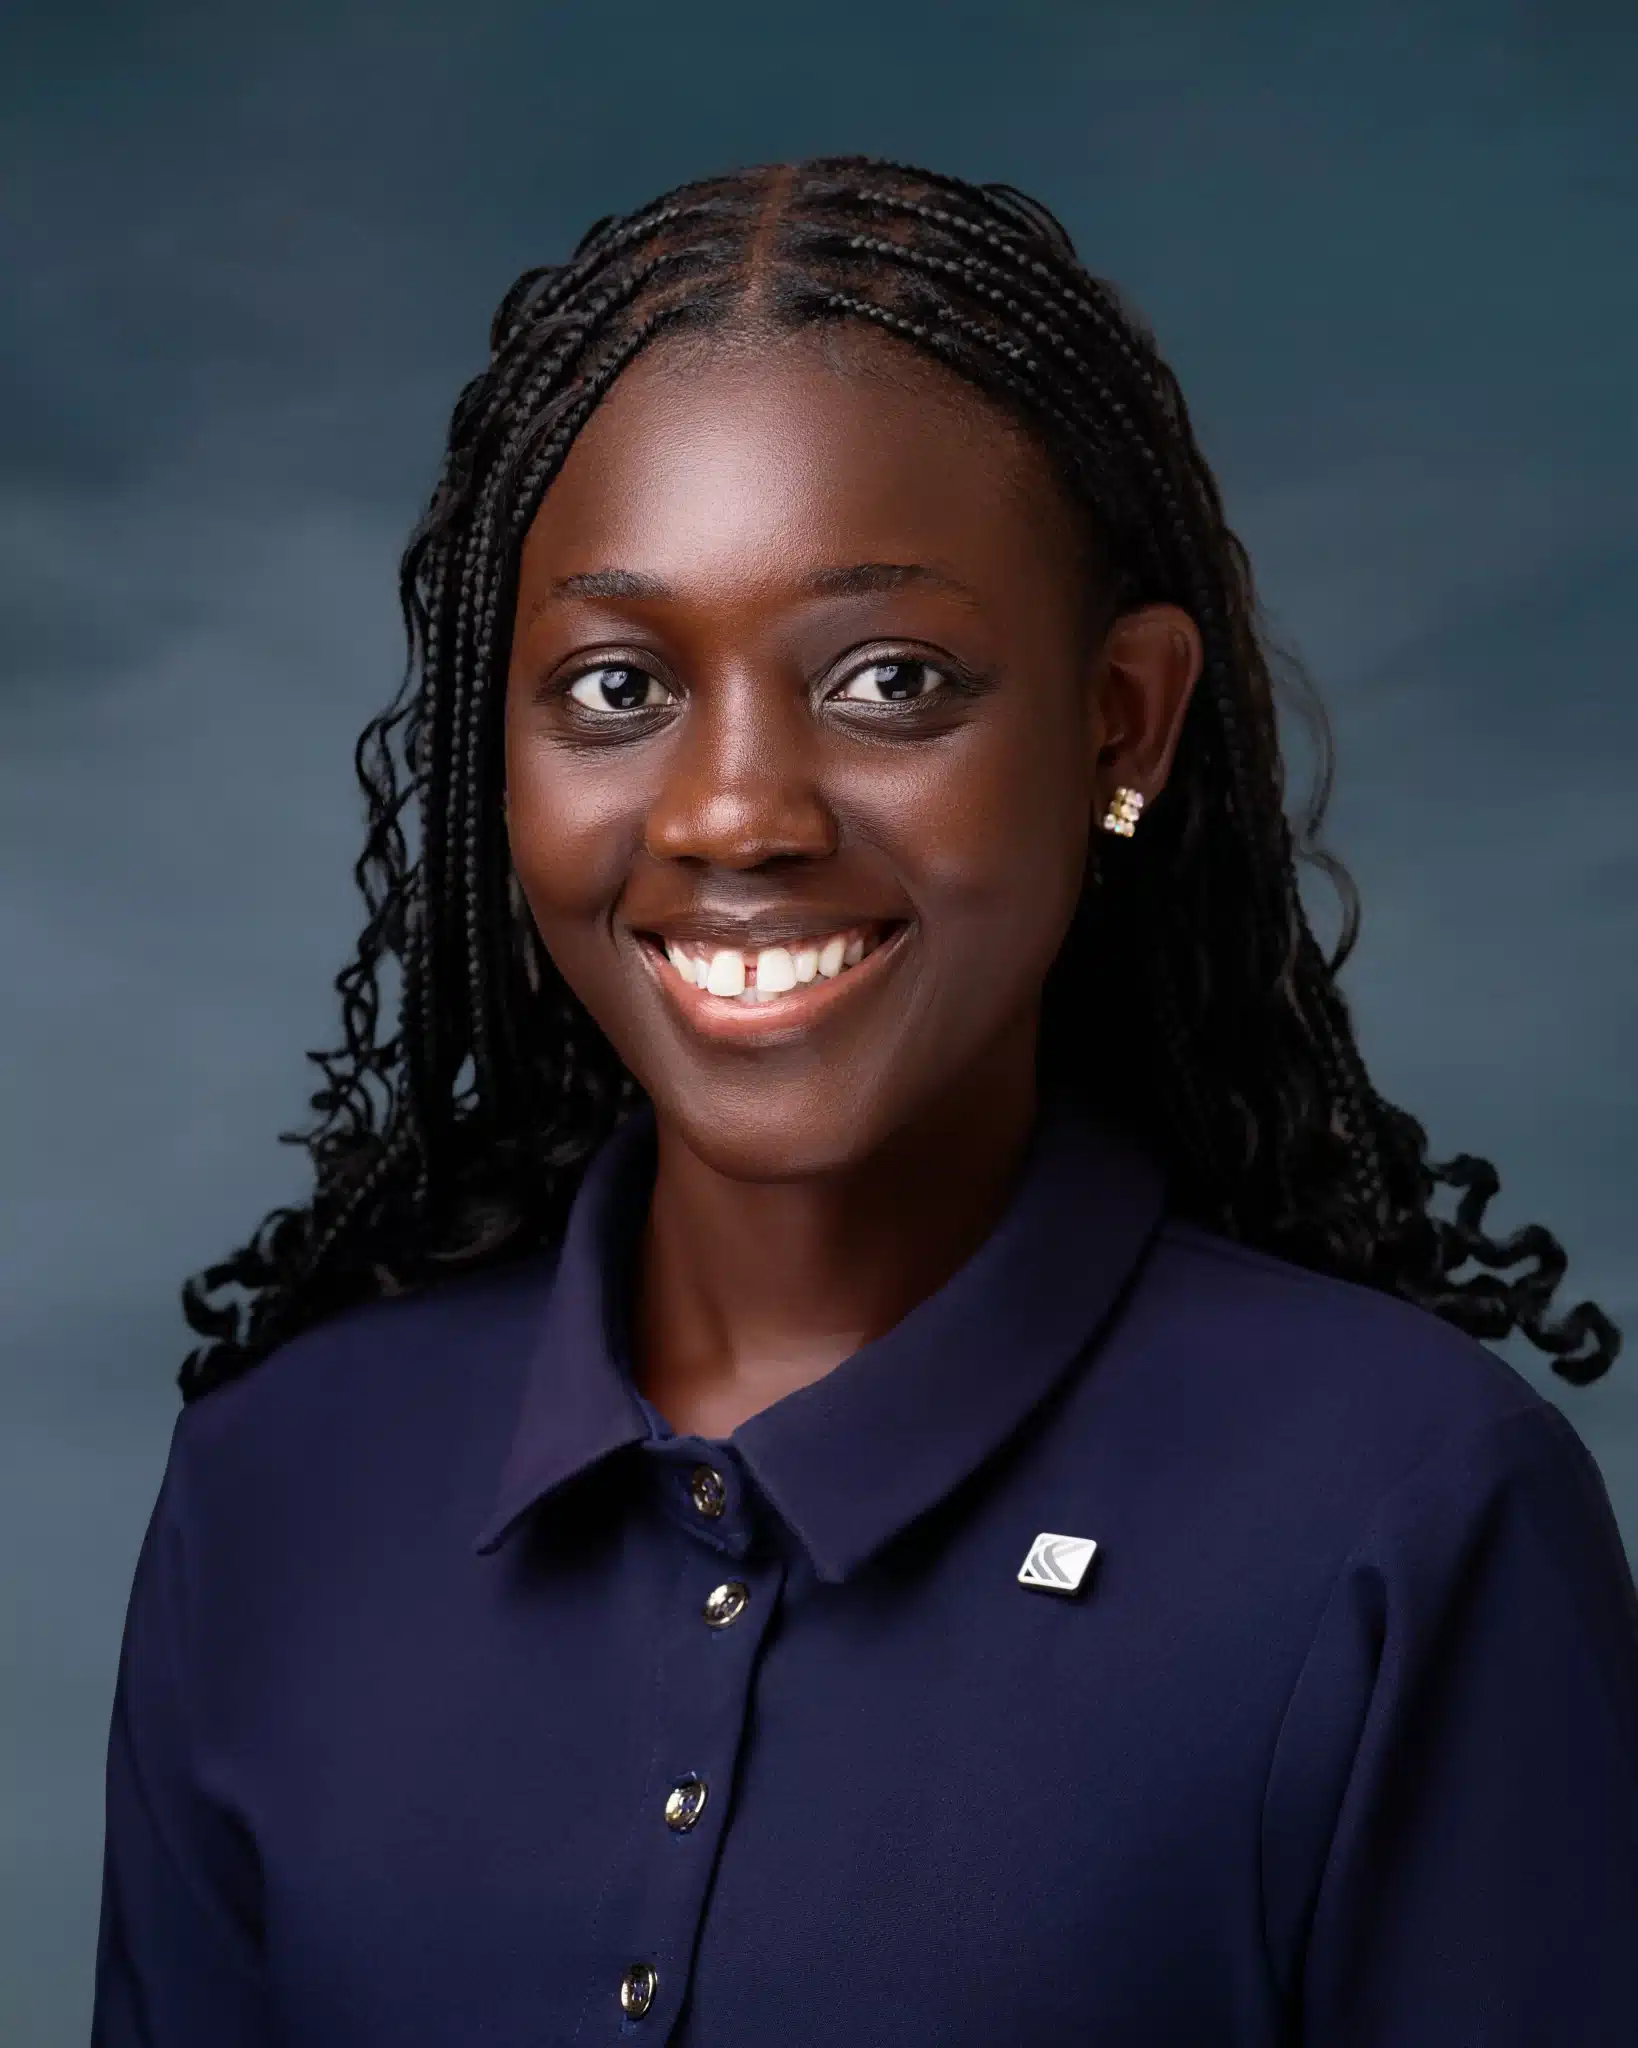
(780, 1018)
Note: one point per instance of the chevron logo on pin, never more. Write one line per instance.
(1058, 1563)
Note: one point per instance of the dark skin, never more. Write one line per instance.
(759, 751)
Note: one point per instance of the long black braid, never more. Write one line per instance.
(458, 1137)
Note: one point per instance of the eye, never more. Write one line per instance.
(619, 686)
(892, 682)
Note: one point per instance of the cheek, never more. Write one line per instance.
(573, 825)
(991, 831)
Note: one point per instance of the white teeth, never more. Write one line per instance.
(775, 971)
(726, 974)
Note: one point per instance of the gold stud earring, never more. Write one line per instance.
(1123, 812)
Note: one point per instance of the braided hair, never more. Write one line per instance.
(452, 1130)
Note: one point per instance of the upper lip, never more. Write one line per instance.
(761, 929)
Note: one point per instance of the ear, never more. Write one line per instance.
(1147, 669)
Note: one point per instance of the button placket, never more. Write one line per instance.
(710, 1670)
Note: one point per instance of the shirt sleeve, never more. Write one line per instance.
(1451, 1819)
(178, 1963)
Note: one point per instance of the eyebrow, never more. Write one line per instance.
(855, 579)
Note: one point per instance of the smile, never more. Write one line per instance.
(729, 992)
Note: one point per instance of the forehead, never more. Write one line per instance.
(761, 454)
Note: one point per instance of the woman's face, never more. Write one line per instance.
(805, 734)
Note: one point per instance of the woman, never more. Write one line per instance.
(870, 1433)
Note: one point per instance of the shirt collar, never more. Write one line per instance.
(854, 1458)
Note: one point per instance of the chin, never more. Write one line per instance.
(750, 1131)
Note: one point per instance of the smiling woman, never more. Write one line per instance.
(869, 1132)
(825, 722)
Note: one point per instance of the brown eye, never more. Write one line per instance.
(619, 687)
(892, 682)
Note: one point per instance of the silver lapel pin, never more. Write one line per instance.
(1059, 1563)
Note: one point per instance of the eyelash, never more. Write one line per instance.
(957, 681)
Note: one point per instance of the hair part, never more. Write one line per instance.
(455, 1134)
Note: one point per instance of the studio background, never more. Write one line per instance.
(248, 263)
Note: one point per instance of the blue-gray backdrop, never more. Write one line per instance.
(249, 257)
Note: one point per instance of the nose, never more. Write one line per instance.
(742, 784)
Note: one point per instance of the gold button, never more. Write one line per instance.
(726, 1603)
(637, 1989)
(684, 1804)
(706, 1490)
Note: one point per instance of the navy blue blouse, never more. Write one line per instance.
(461, 1702)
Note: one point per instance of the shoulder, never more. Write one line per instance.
(1329, 1392)
(376, 1403)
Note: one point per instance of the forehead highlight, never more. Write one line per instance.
(726, 401)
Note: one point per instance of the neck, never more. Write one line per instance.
(748, 1291)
